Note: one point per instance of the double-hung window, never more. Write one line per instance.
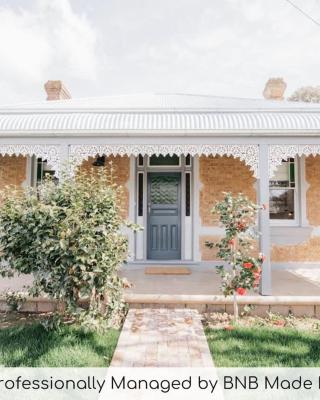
(42, 169)
(283, 194)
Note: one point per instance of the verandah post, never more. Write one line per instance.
(64, 161)
(264, 220)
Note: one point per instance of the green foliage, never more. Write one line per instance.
(264, 346)
(238, 215)
(69, 235)
(30, 345)
(15, 300)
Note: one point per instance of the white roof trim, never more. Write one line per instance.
(159, 121)
(151, 113)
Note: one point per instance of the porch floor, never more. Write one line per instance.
(205, 281)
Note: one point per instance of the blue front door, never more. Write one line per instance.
(164, 216)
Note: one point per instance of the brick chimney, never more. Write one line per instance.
(56, 91)
(274, 89)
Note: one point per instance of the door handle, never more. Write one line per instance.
(149, 208)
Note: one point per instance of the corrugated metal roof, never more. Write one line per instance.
(159, 112)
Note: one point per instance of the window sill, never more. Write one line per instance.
(289, 235)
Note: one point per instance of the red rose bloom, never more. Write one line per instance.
(241, 291)
(231, 242)
(241, 227)
(229, 328)
(247, 265)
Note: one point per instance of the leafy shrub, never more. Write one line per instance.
(69, 236)
(15, 300)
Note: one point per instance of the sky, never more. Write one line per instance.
(108, 47)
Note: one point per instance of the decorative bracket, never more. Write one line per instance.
(46, 152)
(277, 153)
(247, 153)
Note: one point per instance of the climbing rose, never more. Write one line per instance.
(241, 291)
(238, 215)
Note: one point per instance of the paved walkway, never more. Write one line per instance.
(162, 338)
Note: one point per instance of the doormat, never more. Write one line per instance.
(167, 271)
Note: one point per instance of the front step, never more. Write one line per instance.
(298, 306)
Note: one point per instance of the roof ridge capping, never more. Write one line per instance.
(160, 102)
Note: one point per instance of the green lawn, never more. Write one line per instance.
(30, 345)
(264, 347)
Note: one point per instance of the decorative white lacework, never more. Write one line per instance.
(247, 153)
(277, 153)
(46, 152)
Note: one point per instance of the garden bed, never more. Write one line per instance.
(273, 341)
(25, 343)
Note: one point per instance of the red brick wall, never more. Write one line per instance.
(12, 170)
(121, 172)
(218, 175)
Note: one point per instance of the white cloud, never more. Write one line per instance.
(227, 48)
(47, 41)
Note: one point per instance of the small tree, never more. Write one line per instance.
(307, 94)
(238, 216)
(68, 235)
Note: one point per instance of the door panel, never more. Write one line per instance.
(164, 215)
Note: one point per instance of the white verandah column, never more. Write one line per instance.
(65, 160)
(264, 219)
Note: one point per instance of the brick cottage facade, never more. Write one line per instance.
(174, 156)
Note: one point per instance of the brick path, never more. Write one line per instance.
(162, 338)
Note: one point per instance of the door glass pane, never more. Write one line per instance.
(282, 204)
(164, 160)
(164, 189)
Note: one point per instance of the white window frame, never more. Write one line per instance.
(34, 171)
(297, 200)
